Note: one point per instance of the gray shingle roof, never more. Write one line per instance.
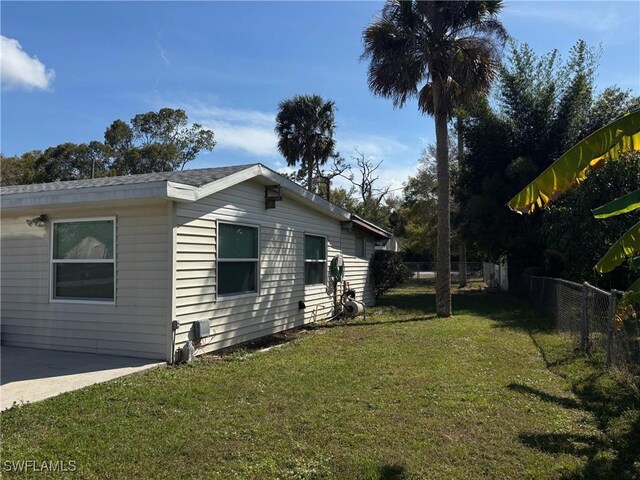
(196, 178)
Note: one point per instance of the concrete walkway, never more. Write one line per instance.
(30, 375)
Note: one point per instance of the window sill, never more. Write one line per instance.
(83, 302)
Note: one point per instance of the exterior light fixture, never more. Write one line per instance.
(38, 221)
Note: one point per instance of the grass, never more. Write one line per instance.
(489, 393)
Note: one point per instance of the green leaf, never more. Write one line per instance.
(631, 296)
(609, 142)
(635, 261)
(625, 247)
(620, 205)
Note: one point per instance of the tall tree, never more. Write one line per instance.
(156, 142)
(445, 54)
(542, 104)
(305, 125)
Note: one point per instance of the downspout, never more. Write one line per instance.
(172, 324)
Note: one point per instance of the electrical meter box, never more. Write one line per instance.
(201, 329)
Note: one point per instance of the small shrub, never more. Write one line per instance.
(387, 271)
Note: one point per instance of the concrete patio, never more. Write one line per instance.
(30, 375)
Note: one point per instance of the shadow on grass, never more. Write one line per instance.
(392, 472)
(349, 323)
(547, 397)
(563, 443)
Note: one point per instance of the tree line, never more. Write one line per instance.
(151, 142)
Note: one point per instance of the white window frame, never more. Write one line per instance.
(52, 261)
(228, 296)
(304, 256)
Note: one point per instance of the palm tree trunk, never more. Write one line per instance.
(462, 258)
(443, 247)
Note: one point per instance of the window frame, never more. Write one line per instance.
(52, 261)
(325, 261)
(229, 296)
(360, 238)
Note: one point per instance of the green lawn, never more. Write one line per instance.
(489, 393)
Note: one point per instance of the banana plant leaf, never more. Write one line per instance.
(620, 205)
(609, 142)
(631, 296)
(634, 290)
(627, 245)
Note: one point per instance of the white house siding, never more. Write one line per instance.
(136, 326)
(357, 268)
(281, 280)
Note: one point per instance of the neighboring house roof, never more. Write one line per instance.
(372, 228)
(183, 186)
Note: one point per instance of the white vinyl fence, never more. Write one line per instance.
(496, 275)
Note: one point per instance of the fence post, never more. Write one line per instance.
(584, 325)
(613, 304)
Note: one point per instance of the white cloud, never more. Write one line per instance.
(375, 146)
(251, 131)
(19, 70)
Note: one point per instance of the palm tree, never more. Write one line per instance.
(445, 54)
(305, 125)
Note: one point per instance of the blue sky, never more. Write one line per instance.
(83, 65)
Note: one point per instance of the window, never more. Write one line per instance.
(315, 260)
(360, 246)
(237, 259)
(83, 265)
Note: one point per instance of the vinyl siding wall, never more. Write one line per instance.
(281, 268)
(135, 326)
(357, 268)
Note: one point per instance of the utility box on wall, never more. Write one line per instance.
(201, 329)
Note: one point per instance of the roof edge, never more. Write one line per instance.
(156, 189)
(372, 228)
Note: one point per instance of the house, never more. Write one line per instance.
(106, 265)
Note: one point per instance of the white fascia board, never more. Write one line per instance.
(305, 196)
(84, 195)
(296, 191)
(181, 192)
(226, 182)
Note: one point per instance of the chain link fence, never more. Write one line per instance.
(422, 270)
(588, 315)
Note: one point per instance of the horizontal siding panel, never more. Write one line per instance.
(201, 232)
(16, 317)
(80, 324)
(139, 349)
(85, 334)
(183, 291)
(238, 339)
(195, 257)
(192, 271)
(195, 223)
